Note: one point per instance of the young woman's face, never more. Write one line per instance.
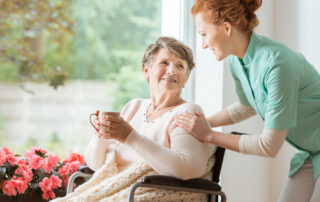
(214, 37)
(167, 72)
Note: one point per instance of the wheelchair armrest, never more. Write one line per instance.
(85, 169)
(197, 183)
(238, 133)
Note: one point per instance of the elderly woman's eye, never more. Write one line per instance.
(180, 66)
(164, 62)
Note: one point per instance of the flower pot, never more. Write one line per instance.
(29, 197)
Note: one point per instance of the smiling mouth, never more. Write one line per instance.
(169, 80)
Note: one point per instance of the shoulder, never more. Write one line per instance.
(275, 53)
(188, 107)
(278, 58)
(133, 105)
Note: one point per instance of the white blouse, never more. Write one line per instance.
(176, 153)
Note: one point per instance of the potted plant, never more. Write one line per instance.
(36, 176)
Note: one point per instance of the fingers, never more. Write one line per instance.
(112, 119)
(187, 119)
(109, 124)
(183, 124)
(108, 128)
(199, 114)
(187, 116)
(114, 127)
(108, 132)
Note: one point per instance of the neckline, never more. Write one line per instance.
(145, 119)
(249, 55)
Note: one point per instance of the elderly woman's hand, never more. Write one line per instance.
(116, 128)
(196, 124)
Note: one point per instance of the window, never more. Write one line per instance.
(102, 57)
(101, 53)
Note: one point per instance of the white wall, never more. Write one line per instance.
(296, 23)
(247, 178)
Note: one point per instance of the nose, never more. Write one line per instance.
(171, 69)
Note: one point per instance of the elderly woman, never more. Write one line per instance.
(142, 140)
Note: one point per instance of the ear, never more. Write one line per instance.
(146, 72)
(227, 28)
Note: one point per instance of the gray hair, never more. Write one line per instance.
(174, 46)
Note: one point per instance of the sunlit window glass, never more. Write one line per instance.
(62, 60)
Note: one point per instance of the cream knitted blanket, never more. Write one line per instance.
(107, 184)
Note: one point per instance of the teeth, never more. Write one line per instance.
(169, 79)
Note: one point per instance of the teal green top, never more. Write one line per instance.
(284, 89)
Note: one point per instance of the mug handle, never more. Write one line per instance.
(90, 118)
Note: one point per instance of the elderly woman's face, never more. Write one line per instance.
(167, 72)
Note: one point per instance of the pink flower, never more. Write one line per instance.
(47, 185)
(19, 184)
(56, 181)
(6, 155)
(22, 162)
(74, 157)
(50, 162)
(29, 154)
(25, 172)
(48, 194)
(36, 162)
(50, 183)
(8, 187)
(41, 150)
(68, 169)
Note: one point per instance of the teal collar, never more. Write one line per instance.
(249, 55)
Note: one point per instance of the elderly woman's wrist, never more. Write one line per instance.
(130, 138)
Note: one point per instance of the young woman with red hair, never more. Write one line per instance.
(271, 80)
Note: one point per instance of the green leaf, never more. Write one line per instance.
(58, 80)
(34, 186)
(9, 168)
(2, 172)
(41, 175)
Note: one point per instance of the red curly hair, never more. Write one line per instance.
(240, 13)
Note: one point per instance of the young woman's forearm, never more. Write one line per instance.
(221, 118)
(230, 115)
(224, 140)
(267, 144)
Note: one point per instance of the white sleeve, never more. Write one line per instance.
(239, 112)
(186, 159)
(96, 151)
(267, 144)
